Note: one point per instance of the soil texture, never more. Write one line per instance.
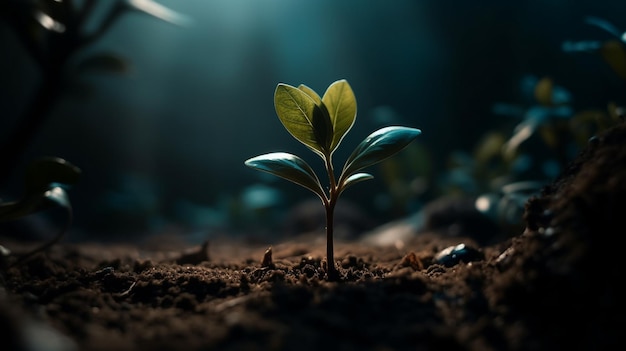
(552, 284)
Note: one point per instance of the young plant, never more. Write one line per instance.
(320, 124)
(45, 184)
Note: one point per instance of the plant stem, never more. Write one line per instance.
(332, 273)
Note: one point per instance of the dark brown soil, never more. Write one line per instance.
(553, 286)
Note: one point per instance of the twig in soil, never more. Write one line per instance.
(197, 256)
(127, 291)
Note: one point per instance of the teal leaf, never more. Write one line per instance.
(44, 181)
(290, 167)
(378, 146)
(340, 102)
(55, 196)
(303, 118)
(47, 172)
(58, 196)
(355, 178)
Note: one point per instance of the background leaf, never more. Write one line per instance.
(614, 53)
(302, 117)
(378, 146)
(47, 172)
(340, 101)
(44, 180)
(290, 167)
(157, 10)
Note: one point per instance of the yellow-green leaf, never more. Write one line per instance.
(340, 102)
(310, 92)
(614, 53)
(303, 118)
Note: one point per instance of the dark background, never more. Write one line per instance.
(162, 147)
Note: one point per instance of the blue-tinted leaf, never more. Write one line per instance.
(47, 172)
(604, 24)
(43, 180)
(58, 196)
(290, 167)
(378, 146)
(355, 178)
(55, 196)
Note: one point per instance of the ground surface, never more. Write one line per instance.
(555, 285)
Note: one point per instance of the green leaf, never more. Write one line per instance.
(303, 118)
(290, 167)
(378, 146)
(355, 178)
(340, 101)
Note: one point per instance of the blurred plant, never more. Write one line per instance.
(547, 116)
(320, 123)
(406, 177)
(45, 183)
(53, 32)
(497, 171)
(613, 51)
(553, 119)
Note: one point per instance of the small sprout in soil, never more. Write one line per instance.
(267, 259)
(320, 123)
(45, 184)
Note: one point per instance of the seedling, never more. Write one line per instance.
(320, 124)
(45, 184)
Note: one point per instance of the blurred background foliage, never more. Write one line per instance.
(160, 102)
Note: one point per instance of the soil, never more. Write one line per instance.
(551, 285)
